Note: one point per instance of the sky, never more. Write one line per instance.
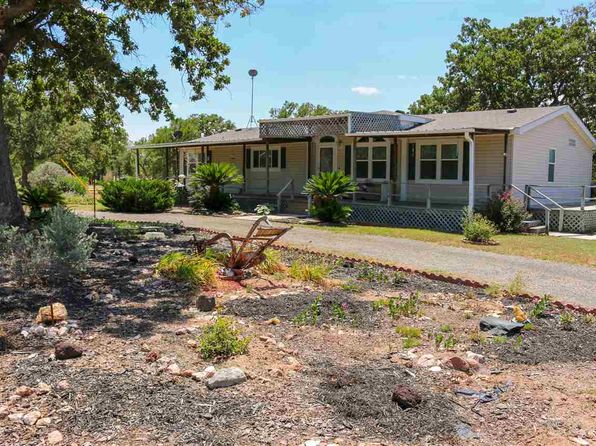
(361, 55)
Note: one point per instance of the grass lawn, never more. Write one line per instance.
(83, 203)
(558, 249)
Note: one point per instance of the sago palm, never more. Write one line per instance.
(214, 176)
(329, 185)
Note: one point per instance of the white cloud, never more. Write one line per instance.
(366, 91)
(404, 77)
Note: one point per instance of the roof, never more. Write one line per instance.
(231, 136)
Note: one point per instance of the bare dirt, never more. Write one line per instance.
(330, 379)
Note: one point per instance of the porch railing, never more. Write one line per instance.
(565, 195)
(289, 184)
(546, 208)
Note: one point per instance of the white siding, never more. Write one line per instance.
(573, 164)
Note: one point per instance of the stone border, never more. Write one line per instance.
(429, 275)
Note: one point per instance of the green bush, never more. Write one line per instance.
(207, 185)
(70, 184)
(479, 229)
(47, 174)
(326, 189)
(222, 340)
(198, 271)
(506, 212)
(40, 197)
(137, 195)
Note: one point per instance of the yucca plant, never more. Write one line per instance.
(40, 197)
(208, 182)
(326, 189)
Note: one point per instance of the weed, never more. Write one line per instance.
(222, 340)
(403, 307)
(542, 306)
(566, 319)
(499, 340)
(589, 319)
(371, 274)
(445, 328)
(351, 287)
(309, 272)
(408, 332)
(271, 263)
(494, 290)
(529, 326)
(478, 337)
(470, 294)
(339, 311)
(516, 286)
(399, 277)
(198, 271)
(517, 344)
(310, 315)
(411, 342)
(379, 304)
(468, 314)
(442, 340)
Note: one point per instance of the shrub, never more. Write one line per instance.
(222, 340)
(68, 240)
(137, 195)
(516, 286)
(506, 212)
(408, 332)
(263, 209)
(47, 174)
(272, 262)
(309, 272)
(326, 190)
(478, 228)
(196, 270)
(207, 185)
(70, 184)
(40, 197)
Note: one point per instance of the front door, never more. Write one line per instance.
(325, 159)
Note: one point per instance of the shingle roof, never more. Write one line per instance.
(487, 119)
(231, 137)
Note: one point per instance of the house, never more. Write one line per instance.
(414, 170)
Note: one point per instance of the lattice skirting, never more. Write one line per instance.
(575, 221)
(248, 204)
(443, 219)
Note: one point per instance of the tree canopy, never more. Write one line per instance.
(70, 53)
(538, 61)
(291, 109)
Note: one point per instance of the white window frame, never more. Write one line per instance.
(197, 162)
(551, 164)
(439, 143)
(326, 145)
(369, 145)
(272, 149)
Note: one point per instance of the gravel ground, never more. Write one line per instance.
(571, 283)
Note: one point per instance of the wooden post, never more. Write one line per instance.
(167, 163)
(244, 167)
(403, 175)
(267, 153)
(308, 158)
(137, 164)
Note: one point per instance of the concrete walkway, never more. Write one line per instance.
(572, 283)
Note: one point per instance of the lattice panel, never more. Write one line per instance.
(575, 221)
(444, 219)
(304, 128)
(375, 122)
(248, 204)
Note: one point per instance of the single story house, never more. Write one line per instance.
(412, 170)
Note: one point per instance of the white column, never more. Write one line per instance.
(472, 179)
(403, 176)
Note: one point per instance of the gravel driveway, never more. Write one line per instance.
(571, 283)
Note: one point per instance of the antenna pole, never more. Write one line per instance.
(252, 73)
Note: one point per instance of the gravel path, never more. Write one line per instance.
(571, 283)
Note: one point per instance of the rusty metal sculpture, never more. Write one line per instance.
(245, 252)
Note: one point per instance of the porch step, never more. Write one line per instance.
(531, 223)
(537, 229)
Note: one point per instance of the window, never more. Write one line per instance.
(552, 155)
(259, 158)
(371, 158)
(439, 162)
(327, 154)
(192, 161)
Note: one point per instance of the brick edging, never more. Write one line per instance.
(429, 275)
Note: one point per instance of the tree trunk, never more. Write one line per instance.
(11, 210)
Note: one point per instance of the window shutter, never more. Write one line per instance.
(466, 166)
(283, 158)
(348, 160)
(209, 156)
(412, 161)
(247, 158)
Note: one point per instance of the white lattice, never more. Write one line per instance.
(575, 221)
(304, 128)
(374, 122)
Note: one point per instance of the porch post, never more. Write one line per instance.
(308, 149)
(244, 167)
(472, 179)
(353, 159)
(267, 153)
(167, 163)
(180, 155)
(505, 144)
(137, 163)
(403, 175)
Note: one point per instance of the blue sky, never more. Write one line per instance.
(345, 54)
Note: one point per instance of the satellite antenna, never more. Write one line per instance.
(252, 121)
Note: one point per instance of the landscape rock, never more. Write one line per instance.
(51, 313)
(24, 391)
(226, 377)
(205, 303)
(46, 421)
(174, 369)
(67, 350)
(406, 397)
(43, 388)
(476, 357)
(435, 369)
(154, 235)
(426, 361)
(63, 384)
(499, 327)
(31, 418)
(457, 363)
(16, 417)
(55, 437)
(209, 371)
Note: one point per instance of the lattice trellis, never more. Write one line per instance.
(575, 221)
(304, 128)
(376, 122)
(444, 219)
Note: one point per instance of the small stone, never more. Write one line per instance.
(51, 313)
(186, 373)
(16, 417)
(192, 343)
(39, 330)
(426, 361)
(312, 443)
(3, 412)
(406, 397)
(226, 377)
(181, 331)
(13, 399)
(67, 350)
(174, 369)
(63, 384)
(43, 388)
(24, 333)
(24, 391)
(580, 441)
(272, 321)
(457, 363)
(154, 236)
(62, 331)
(205, 303)
(435, 369)
(152, 356)
(55, 437)
(31, 418)
(475, 356)
(474, 365)
(198, 376)
(145, 348)
(209, 371)
(46, 421)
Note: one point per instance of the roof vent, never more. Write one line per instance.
(512, 110)
(400, 111)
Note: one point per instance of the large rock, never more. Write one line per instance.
(457, 363)
(226, 378)
(406, 397)
(67, 350)
(500, 327)
(52, 313)
(154, 235)
(205, 303)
